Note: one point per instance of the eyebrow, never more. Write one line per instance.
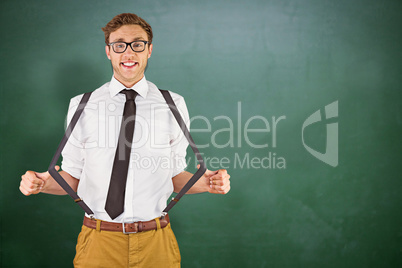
(139, 38)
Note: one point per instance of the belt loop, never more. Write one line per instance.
(158, 224)
(98, 225)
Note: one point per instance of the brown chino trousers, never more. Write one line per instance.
(155, 248)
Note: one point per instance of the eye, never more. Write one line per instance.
(119, 45)
(138, 44)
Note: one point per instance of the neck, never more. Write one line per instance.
(129, 84)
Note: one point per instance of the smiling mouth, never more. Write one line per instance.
(129, 64)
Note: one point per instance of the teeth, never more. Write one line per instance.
(128, 63)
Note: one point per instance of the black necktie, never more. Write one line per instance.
(117, 187)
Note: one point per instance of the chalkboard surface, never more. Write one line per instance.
(299, 100)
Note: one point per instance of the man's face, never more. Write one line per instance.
(129, 67)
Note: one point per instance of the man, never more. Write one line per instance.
(90, 156)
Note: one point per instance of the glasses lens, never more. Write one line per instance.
(119, 47)
(138, 46)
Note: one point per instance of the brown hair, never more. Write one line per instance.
(126, 19)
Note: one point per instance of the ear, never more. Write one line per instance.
(107, 50)
(150, 50)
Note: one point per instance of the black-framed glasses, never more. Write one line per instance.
(136, 46)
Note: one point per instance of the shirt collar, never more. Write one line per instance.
(141, 87)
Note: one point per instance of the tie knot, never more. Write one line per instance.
(130, 94)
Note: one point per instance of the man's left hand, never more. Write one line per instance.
(218, 181)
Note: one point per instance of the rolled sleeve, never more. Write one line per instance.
(73, 152)
(179, 144)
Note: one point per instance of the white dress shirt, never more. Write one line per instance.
(158, 151)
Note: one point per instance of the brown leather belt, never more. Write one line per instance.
(127, 228)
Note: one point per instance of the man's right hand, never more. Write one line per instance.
(34, 182)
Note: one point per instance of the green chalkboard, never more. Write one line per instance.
(299, 100)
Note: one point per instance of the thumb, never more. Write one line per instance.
(45, 175)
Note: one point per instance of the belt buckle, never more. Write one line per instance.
(124, 227)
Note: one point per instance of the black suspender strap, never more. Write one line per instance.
(168, 98)
(197, 175)
(52, 170)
